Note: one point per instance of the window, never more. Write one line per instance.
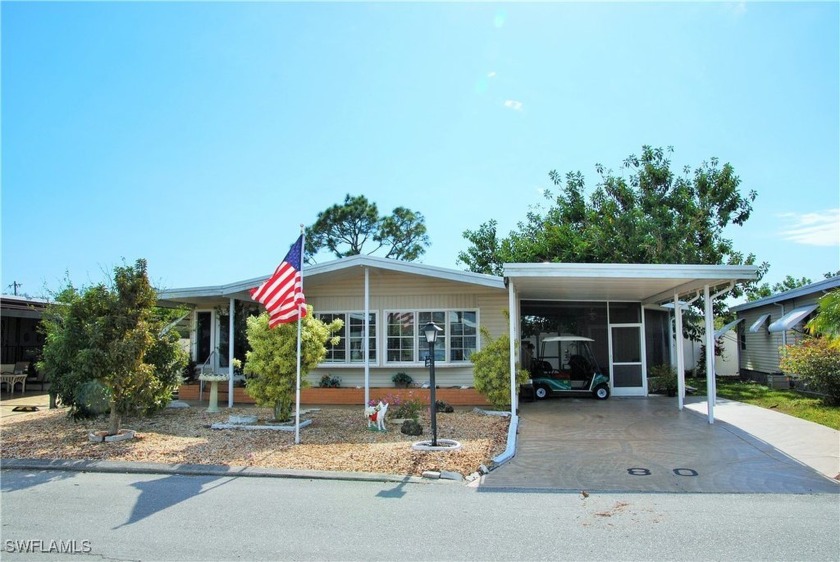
(456, 341)
(401, 332)
(438, 318)
(463, 327)
(352, 334)
(356, 339)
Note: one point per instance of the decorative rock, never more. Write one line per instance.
(177, 404)
(434, 475)
(270, 427)
(411, 427)
(242, 419)
(103, 437)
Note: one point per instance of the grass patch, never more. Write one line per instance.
(787, 401)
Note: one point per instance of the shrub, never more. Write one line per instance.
(408, 409)
(273, 359)
(663, 378)
(492, 370)
(817, 363)
(402, 379)
(92, 399)
(330, 381)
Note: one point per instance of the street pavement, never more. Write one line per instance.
(177, 517)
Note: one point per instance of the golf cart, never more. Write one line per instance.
(576, 370)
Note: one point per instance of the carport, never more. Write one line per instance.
(662, 285)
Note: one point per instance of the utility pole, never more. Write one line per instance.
(14, 285)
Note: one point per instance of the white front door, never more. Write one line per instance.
(627, 366)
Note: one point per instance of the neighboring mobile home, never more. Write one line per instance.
(617, 305)
(768, 324)
(20, 318)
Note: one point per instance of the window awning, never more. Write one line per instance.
(719, 333)
(759, 323)
(792, 318)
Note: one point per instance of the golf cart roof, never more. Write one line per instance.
(567, 338)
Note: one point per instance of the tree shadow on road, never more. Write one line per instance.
(162, 493)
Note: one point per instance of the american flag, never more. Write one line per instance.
(282, 293)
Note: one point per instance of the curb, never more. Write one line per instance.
(112, 467)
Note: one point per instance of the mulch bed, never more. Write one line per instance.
(337, 440)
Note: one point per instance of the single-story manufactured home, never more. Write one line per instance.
(385, 303)
(767, 325)
(20, 317)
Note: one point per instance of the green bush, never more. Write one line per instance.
(492, 370)
(92, 400)
(816, 361)
(330, 381)
(402, 379)
(406, 409)
(663, 378)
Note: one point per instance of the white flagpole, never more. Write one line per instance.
(300, 319)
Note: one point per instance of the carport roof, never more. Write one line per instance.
(650, 284)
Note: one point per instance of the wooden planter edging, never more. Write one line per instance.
(346, 396)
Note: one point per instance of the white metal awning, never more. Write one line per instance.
(726, 328)
(792, 318)
(759, 323)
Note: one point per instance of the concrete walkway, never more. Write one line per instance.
(648, 445)
(810, 443)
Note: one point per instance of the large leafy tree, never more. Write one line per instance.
(272, 359)
(111, 337)
(356, 227)
(646, 214)
(827, 321)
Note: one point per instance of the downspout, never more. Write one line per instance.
(784, 332)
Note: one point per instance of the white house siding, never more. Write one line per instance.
(391, 291)
(762, 353)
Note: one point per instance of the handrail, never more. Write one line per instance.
(201, 372)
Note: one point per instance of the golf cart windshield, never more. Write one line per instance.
(569, 354)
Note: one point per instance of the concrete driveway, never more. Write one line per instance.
(644, 445)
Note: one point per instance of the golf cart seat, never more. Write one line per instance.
(580, 367)
(542, 368)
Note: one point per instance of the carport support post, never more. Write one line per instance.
(230, 353)
(680, 349)
(513, 319)
(367, 337)
(710, 353)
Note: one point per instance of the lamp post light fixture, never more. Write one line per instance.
(431, 330)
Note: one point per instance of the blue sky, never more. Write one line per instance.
(200, 135)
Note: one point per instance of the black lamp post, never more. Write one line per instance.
(431, 332)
